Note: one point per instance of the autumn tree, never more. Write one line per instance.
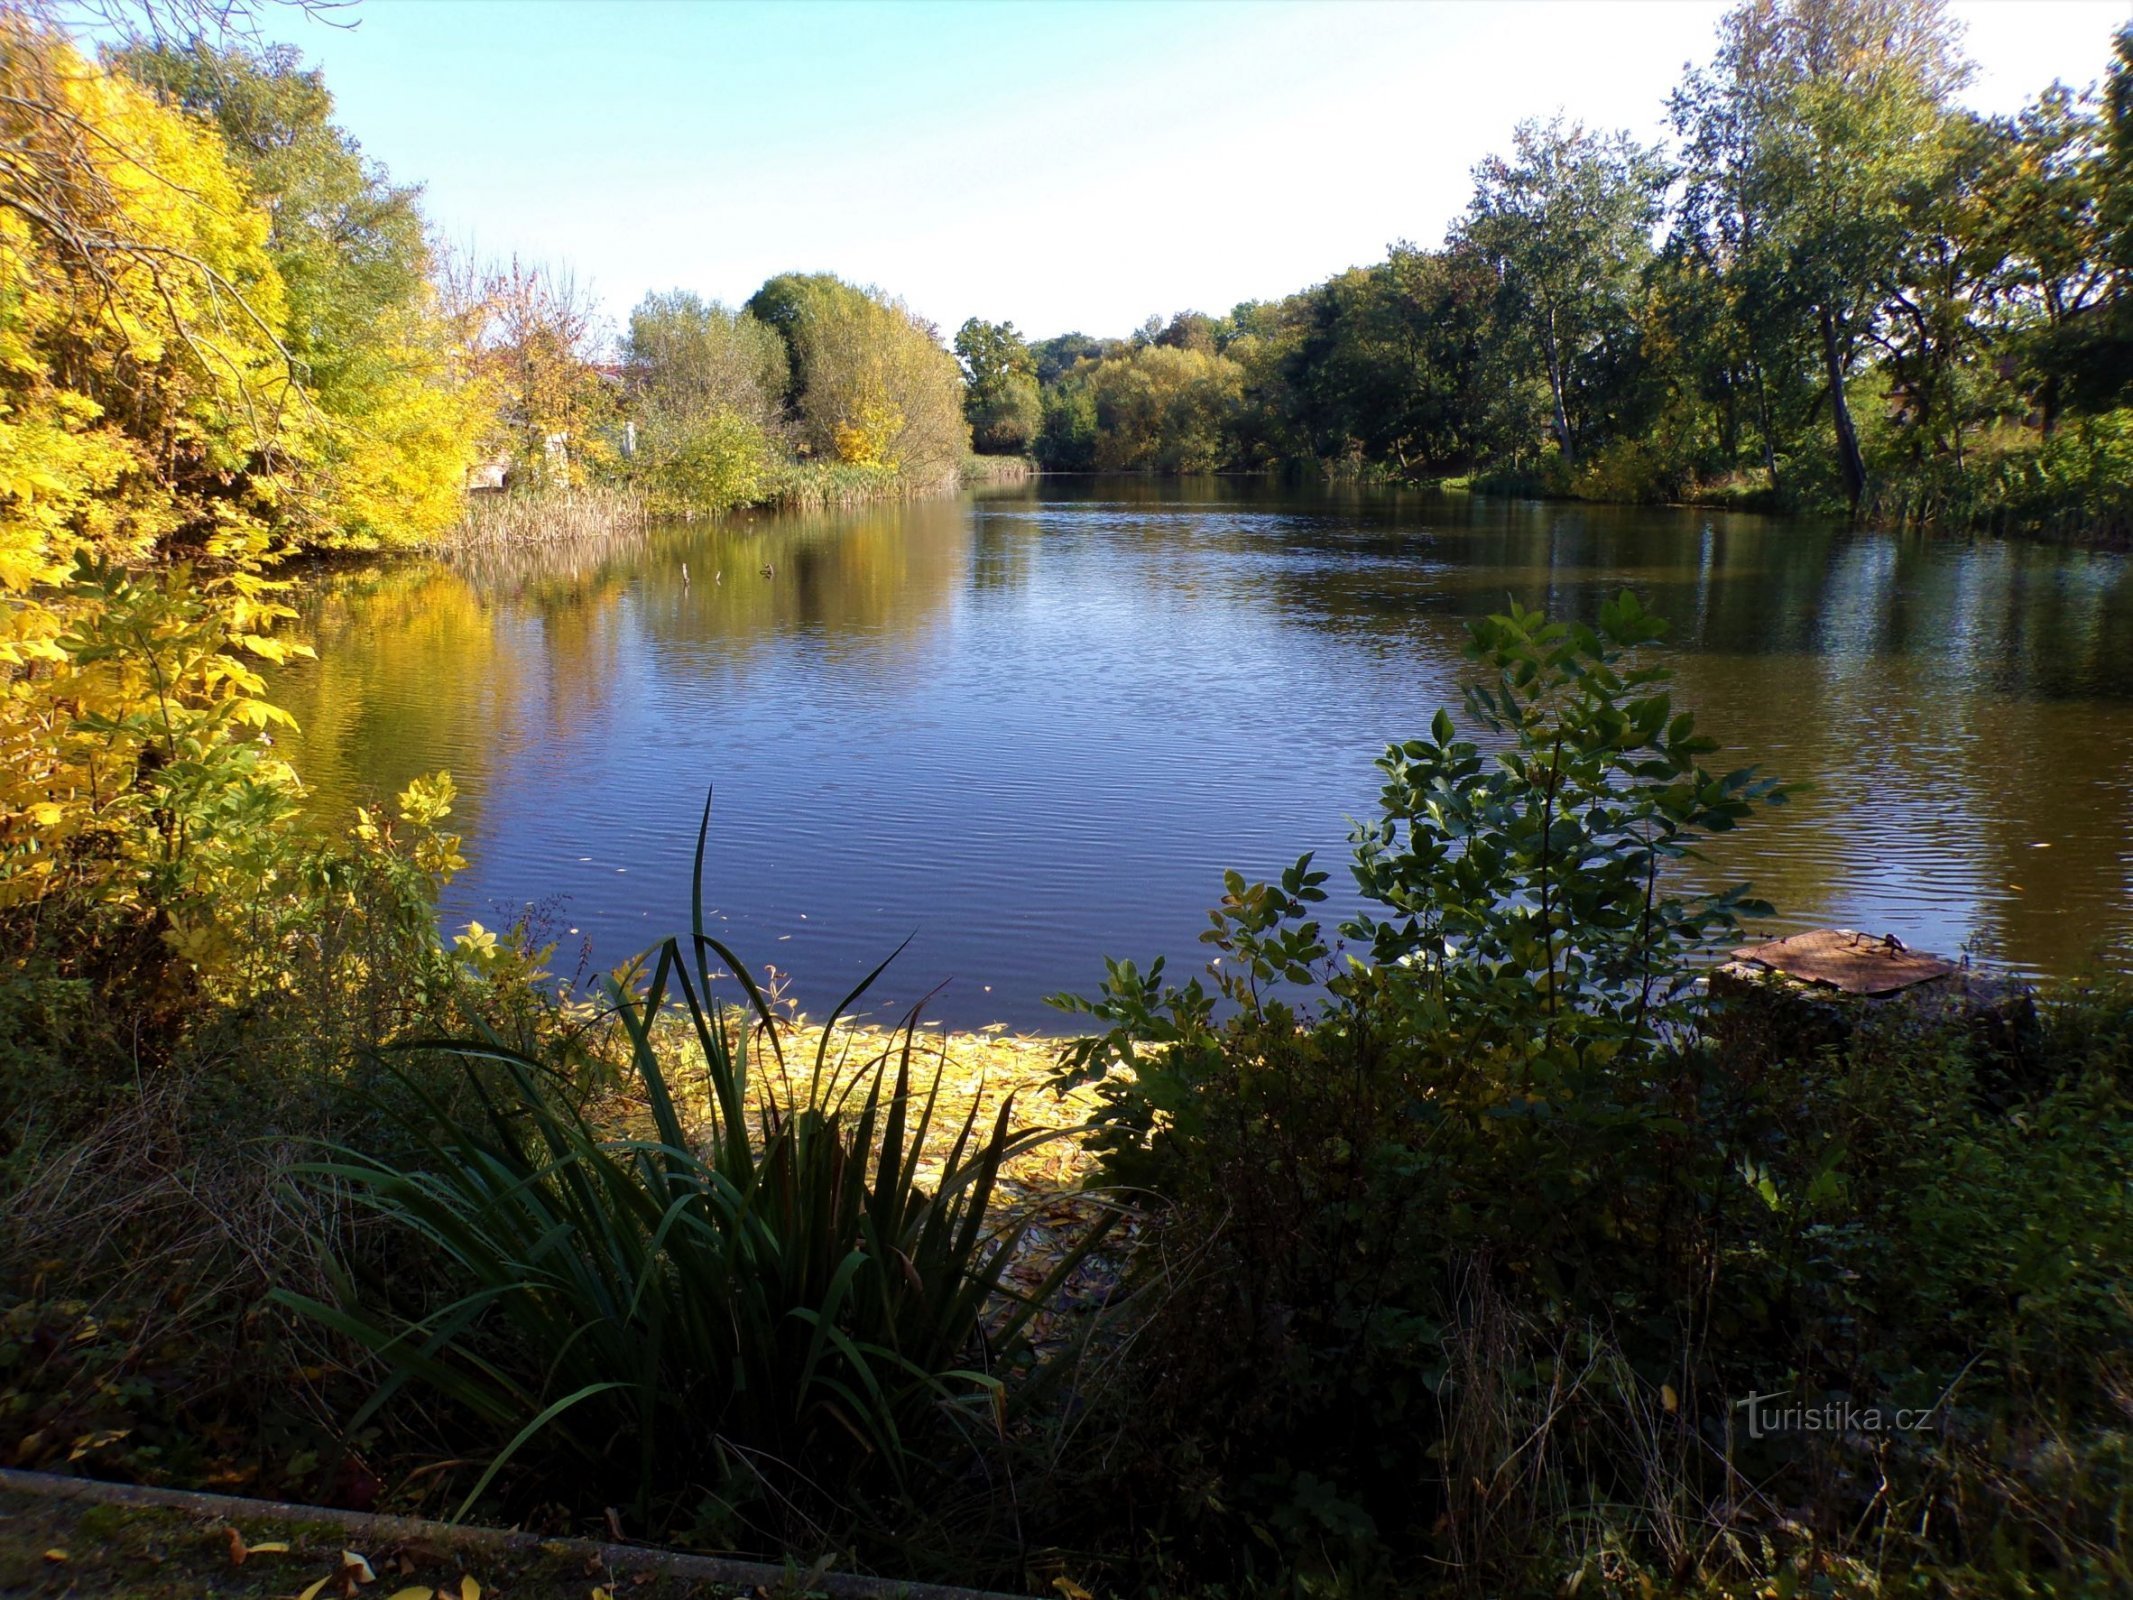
(870, 383)
(1163, 409)
(364, 333)
(148, 410)
(537, 337)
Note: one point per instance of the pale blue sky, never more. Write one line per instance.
(1063, 165)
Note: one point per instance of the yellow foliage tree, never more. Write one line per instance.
(146, 410)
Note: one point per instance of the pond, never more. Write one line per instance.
(1030, 728)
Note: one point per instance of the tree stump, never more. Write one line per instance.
(1801, 995)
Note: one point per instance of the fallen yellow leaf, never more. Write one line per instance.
(1070, 1589)
(55, 1554)
(312, 1593)
(412, 1594)
(273, 1547)
(468, 1588)
(356, 1567)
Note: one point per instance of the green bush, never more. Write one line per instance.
(1468, 1245)
(706, 461)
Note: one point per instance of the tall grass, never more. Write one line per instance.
(998, 469)
(832, 485)
(778, 1303)
(546, 516)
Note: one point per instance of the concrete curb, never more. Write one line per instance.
(381, 1529)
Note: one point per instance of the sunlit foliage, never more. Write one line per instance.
(1842, 292)
(1166, 409)
(1000, 399)
(399, 420)
(870, 384)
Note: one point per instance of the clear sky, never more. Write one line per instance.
(1067, 166)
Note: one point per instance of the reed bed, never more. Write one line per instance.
(550, 516)
(998, 469)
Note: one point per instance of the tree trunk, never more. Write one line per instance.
(1762, 426)
(1555, 389)
(1849, 462)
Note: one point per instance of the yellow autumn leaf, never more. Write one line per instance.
(45, 814)
(55, 1554)
(1069, 1589)
(273, 1547)
(312, 1593)
(417, 1593)
(468, 1588)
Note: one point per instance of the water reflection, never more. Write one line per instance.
(1035, 726)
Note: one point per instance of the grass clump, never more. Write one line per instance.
(747, 1326)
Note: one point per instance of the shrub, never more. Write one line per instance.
(711, 461)
(1467, 1247)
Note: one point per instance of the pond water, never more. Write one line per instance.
(1030, 728)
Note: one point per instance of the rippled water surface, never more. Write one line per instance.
(1031, 728)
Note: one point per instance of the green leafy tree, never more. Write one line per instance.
(685, 357)
(1567, 223)
(1000, 387)
(1812, 140)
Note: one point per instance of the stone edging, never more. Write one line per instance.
(385, 1529)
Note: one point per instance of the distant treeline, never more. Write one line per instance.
(1838, 290)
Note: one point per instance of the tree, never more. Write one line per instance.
(869, 383)
(363, 331)
(1567, 223)
(1811, 141)
(1056, 356)
(147, 410)
(149, 402)
(1000, 387)
(2085, 203)
(537, 337)
(1192, 330)
(1163, 409)
(685, 356)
